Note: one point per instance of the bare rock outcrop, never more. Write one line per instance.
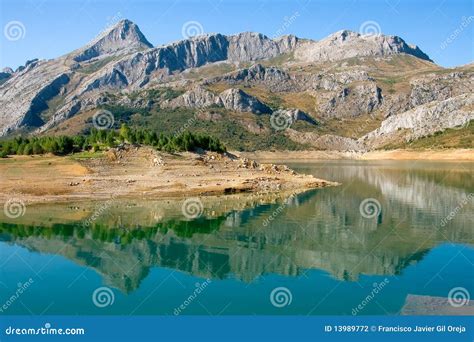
(423, 120)
(232, 99)
(333, 81)
(24, 95)
(251, 46)
(295, 114)
(274, 78)
(238, 100)
(440, 87)
(325, 141)
(353, 101)
(197, 97)
(347, 44)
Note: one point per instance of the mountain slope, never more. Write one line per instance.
(25, 94)
(329, 91)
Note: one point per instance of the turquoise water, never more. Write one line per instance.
(321, 247)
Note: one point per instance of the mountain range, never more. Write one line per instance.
(346, 92)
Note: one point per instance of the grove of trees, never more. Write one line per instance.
(97, 140)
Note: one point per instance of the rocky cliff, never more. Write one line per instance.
(347, 44)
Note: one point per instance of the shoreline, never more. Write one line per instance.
(452, 155)
(143, 173)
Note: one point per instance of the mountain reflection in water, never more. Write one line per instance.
(320, 229)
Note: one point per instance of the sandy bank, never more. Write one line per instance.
(447, 155)
(144, 173)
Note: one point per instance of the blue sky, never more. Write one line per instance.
(50, 28)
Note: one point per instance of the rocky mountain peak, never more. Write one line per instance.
(7, 70)
(348, 44)
(342, 35)
(124, 36)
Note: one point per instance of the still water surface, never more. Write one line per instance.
(317, 245)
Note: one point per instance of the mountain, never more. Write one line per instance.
(336, 93)
(347, 44)
(121, 38)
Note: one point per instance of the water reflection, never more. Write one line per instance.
(319, 229)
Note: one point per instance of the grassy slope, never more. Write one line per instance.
(228, 126)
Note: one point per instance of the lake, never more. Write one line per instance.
(391, 229)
